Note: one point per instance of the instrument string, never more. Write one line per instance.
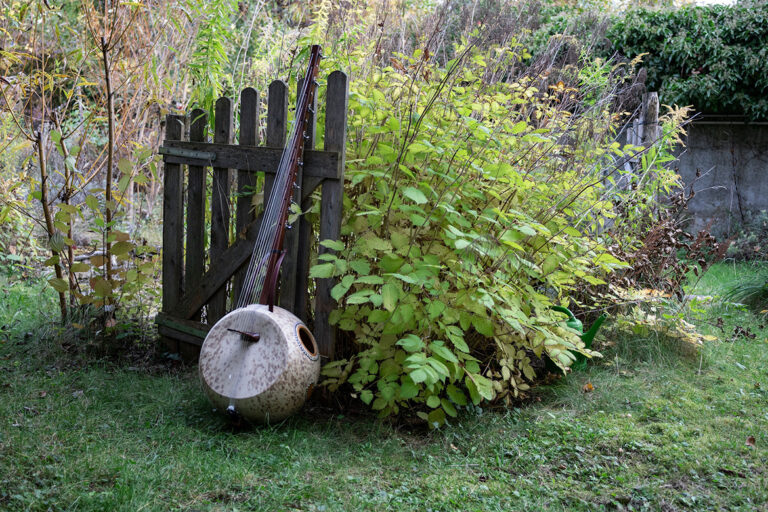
(270, 231)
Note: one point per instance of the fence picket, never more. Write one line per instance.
(246, 181)
(195, 260)
(217, 306)
(331, 203)
(277, 122)
(173, 219)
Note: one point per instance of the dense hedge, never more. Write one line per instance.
(714, 57)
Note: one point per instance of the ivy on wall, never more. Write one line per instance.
(713, 57)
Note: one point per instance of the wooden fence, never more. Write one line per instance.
(193, 290)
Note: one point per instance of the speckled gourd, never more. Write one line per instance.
(263, 381)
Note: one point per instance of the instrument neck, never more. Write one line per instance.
(264, 282)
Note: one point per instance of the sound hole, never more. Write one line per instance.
(307, 340)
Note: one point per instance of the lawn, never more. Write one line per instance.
(663, 429)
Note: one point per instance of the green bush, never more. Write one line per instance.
(713, 57)
(471, 206)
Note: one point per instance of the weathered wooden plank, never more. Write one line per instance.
(217, 305)
(191, 327)
(246, 181)
(309, 184)
(217, 276)
(290, 277)
(173, 221)
(169, 332)
(301, 308)
(650, 118)
(277, 122)
(331, 204)
(204, 156)
(194, 264)
(317, 164)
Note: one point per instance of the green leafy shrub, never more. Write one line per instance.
(714, 57)
(472, 207)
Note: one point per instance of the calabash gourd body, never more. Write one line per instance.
(265, 380)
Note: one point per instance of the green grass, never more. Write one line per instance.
(721, 277)
(664, 429)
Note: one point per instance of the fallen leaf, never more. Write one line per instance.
(750, 441)
(453, 447)
(78, 393)
(588, 387)
(43, 394)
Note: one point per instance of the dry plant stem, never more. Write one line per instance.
(65, 196)
(48, 218)
(44, 187)
(110, 157)
(412, 131)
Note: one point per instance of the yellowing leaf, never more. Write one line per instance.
(342, 287)
(122, 248)
(390, 295)
(101, 286)
(80, 267)
(121, 236)
(60, 285)
(92, 202)
(519, 127)
(414, 194)
(125, 166)
(322, 271)
(336, 245)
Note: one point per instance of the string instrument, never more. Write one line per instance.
(260, 362)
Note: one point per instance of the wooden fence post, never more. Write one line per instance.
(173, 226)
(650, 118)
(173, 220)
(331, 204)
(195, 261)
(277, 119)
(246, 181)
(217, 306)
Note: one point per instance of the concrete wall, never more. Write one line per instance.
(732, 158)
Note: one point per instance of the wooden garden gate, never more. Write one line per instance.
(188, 286)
